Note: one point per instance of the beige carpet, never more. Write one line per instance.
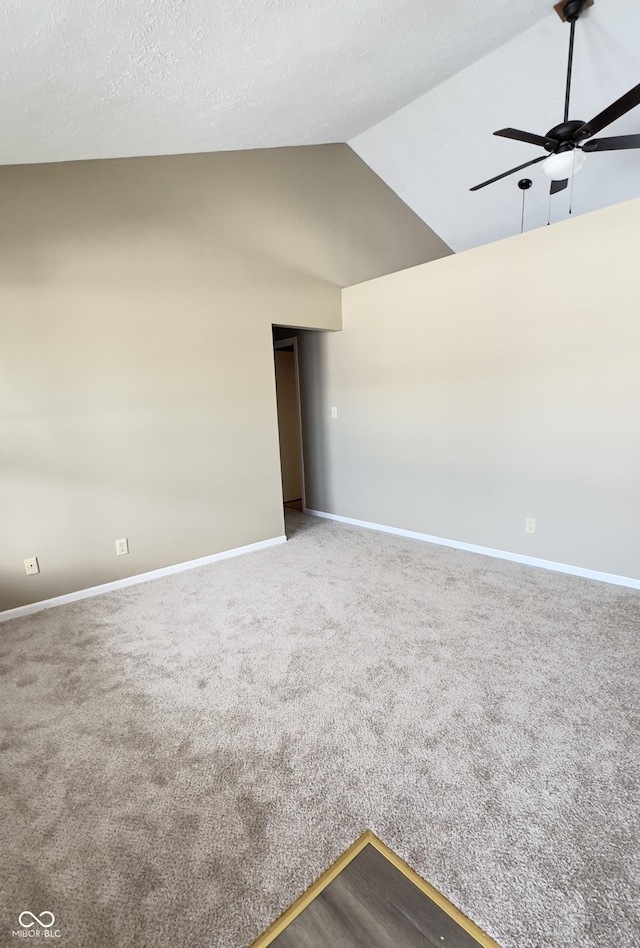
(182, 758)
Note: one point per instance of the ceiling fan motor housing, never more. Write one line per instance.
(564, 135)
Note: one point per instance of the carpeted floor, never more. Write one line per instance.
(182, 758)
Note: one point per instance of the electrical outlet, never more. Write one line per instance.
(31, 566)
(122, 547)
(530, 525)
(334, 412)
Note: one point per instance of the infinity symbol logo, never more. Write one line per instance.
(36, 918)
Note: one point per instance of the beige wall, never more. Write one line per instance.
(136, 361)
(491, 386)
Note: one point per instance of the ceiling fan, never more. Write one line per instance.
(569, 142)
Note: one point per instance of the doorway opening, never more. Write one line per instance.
(289, 420)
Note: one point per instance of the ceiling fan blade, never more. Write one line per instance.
(511, 171)
(618, 108)
(528, 137)
(612, 144)
(558, 186)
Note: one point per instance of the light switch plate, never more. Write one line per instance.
(334, 412)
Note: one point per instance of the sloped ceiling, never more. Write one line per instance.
(116, 78)
(433, 150)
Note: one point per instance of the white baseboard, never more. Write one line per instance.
(486, 551)
(134, 580)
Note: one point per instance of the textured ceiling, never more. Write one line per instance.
(115, 78)
(432, 151)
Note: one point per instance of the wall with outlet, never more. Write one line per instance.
(136, 363)
(491, 397)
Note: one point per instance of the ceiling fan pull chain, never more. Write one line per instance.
(549, 214)
(524, 184)
(572, 180)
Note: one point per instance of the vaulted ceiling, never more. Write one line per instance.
(416, 87)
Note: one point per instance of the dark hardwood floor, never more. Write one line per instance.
(371, 904)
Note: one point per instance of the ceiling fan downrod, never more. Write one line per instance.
(571, 11)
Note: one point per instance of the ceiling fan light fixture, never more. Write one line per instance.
(564, 164)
